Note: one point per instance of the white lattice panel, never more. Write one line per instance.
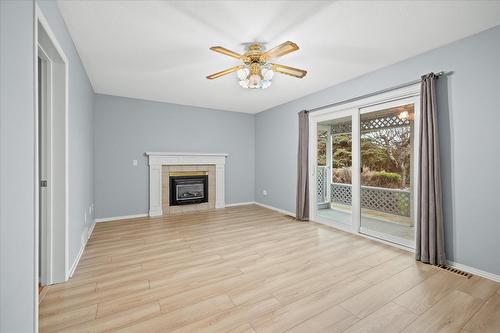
(389, 121)
(392, 201)
(322, 181)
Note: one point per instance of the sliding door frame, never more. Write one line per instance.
(354, 109)
(313, 139)
(413, 166)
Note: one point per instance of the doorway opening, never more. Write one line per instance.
(52, 156)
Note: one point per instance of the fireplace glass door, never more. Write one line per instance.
(188, 190)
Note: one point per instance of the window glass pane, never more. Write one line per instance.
(386, 174)
(335, 170)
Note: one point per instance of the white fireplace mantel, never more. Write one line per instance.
(157, 159)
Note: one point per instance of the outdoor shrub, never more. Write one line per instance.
(368, 177)
(386, 179)
(342, 175)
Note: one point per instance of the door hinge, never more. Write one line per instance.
(43, 183)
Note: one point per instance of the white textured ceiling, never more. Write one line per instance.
(158, 50)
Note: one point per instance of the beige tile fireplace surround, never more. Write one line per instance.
(161, 165)
(187, 170)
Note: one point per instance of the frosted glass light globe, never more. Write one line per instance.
(265, 83)
(254, 80)
(243, 73)
(267, 74)
(243, 83)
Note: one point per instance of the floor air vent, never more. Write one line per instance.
(456, 271)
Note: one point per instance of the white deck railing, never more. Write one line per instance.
(387, 200)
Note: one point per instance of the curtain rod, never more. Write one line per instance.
(372, 94)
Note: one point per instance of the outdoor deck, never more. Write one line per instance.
(384, 211)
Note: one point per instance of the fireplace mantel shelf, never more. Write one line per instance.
(154, 153)
(158, 159)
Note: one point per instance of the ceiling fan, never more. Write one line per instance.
(256, 72)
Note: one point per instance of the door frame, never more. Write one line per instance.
(43, 121)
(354, 109)
(313, 139)
(56, 256)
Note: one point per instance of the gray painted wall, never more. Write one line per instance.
(468, 119)
(17, 228)
(80, 131)
(126, 128)
(17, 169)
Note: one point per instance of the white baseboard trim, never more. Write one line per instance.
(241, 204)
(91, 230)
(80, 253)
(75, 263)
(123, 217)
(475, 271)
(286, 212)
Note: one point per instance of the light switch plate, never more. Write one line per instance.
(134, 163)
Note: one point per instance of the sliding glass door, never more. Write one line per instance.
(334, 169)
(387, 137)
(364, 174)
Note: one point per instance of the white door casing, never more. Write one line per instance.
(55, 104)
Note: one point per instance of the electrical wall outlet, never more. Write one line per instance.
(134, 163)
(264, 192)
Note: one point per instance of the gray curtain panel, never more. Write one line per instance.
(302, 209)
(430, 235)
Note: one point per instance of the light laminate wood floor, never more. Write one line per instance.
(249, 269)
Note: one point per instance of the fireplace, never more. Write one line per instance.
(185, 190)
(163, 165)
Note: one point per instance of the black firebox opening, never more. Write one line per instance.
(185, 190)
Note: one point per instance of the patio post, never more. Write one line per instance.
(329, 166)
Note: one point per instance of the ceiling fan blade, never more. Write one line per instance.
(300, 73)
(224, 72)
(225, 51)
(280, 50)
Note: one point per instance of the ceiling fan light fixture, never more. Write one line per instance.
(254, 80)
(244, 83)
(265, 83)
(243, 73)
(256, 72)
(262, 84)
(267, 74)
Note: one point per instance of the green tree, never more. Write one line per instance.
(397, 143)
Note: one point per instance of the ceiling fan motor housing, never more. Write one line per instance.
(254, 54)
